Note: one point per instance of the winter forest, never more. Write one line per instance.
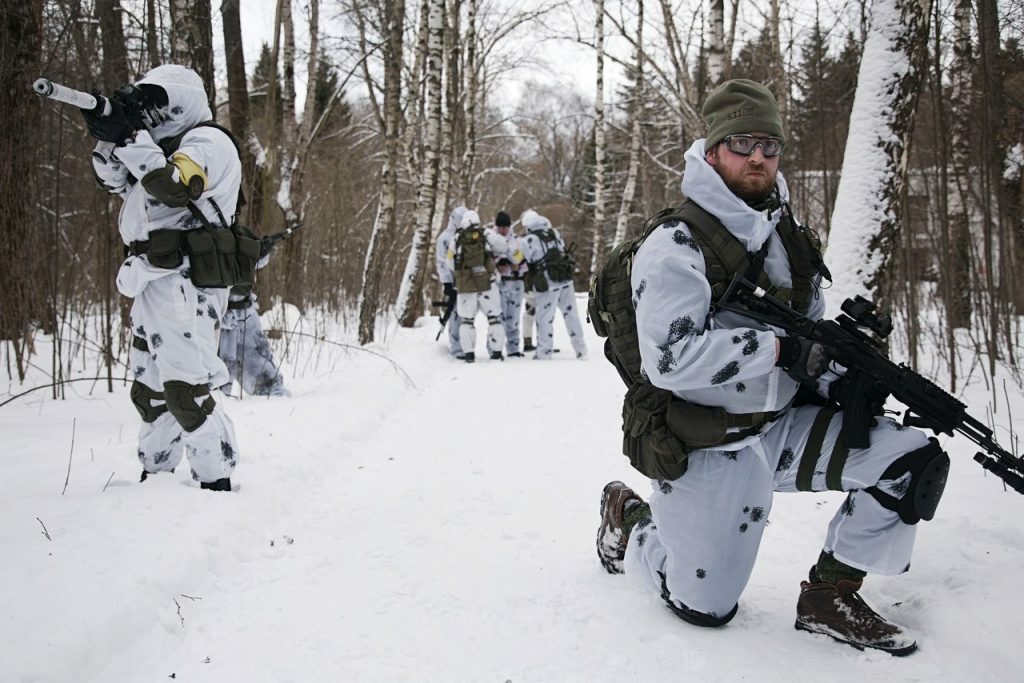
(362, 124)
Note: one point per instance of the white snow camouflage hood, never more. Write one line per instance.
(702, 184)
(455, 218)
(186, 99)
(534, 222)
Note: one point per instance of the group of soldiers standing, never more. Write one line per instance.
(495, 270)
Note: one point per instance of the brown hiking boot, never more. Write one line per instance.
(838, 611)
(611, 542)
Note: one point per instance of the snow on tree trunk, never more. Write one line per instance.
(411, 290)
(716, 51)
(472, 77)
(384, 223)
(626, 206)
(865, 222)
(599, 141)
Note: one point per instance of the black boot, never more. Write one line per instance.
(470, 357)
(496, 355)
(528, 345)
(219, 485)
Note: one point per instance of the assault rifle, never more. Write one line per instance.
(139, 109)
(448, 307)
(855, 339)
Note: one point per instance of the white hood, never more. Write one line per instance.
(702, 184)
(455, 218)
(534, 222)
(186, 99)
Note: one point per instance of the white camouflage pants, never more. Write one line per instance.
(179, 324)
(511, 312)
(562, 297)
(706, 526)
(529, 315)
(246, 352)
(489, 303)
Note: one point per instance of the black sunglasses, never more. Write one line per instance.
(746, 144)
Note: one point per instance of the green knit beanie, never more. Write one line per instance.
(740, 106)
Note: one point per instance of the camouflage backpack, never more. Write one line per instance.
(474, 263)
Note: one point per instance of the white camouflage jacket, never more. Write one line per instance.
(722, 360)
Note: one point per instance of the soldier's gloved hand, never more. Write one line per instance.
(449, 289)
(804, 360)
(266, 244)
(112, 128)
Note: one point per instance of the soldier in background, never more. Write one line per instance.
(511, 269)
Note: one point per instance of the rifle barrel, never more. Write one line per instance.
(77, 98)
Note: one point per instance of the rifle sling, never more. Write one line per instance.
(812, 450)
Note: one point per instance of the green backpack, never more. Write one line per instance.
(659, 429)
(557, 262)
(474, 264)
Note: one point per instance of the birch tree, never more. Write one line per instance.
(411, 292)
(716, 51)
(393, 21)
(959, 248)
(599, 140)
(635, 134)
(865, 223)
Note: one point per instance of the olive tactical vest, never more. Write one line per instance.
(474, 263)
(659, 428)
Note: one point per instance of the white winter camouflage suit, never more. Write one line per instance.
(246, 351)
(706, 526)
(560, 295)
(446, 275)
(511, 287)
(178, 322)
(488, 302)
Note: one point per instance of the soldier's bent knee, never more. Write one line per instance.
(142, 398)
(181, 401)
(928, 467)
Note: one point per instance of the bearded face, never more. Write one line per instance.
(751, 178)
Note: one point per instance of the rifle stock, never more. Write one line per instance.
(850, 345)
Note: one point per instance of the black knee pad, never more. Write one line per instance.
(692, 616)
(181, 401)
(493, 320)
(142, 398)
(928, 467)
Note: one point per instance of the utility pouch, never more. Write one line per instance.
(227, 256)
(699, 426)
(536, 280)
(647, 441)
(248, 253)
(164, 249)
(202, 253)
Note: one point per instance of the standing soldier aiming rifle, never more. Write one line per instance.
(712, 414)
(179, 176)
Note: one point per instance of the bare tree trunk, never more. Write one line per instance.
(384, 224)
(716, 51)
(192, 42)
(780, 80)
(472, 77)
(410, 294)
(455, 112)
(21, 34)
(866, 227)
(152, 44)
(240, 117)
(115, 53)
(635, 134)
(600, 144)
(960, 143)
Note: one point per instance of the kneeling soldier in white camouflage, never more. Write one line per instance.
(472, 259)
(712, 414)
(179, 177)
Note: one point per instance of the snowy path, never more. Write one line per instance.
(443, 533)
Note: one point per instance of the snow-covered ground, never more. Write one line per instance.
(438, 527)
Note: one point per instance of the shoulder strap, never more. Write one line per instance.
(803, 248)
(171, 145)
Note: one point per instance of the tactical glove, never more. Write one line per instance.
(112, 128)
(804, 360)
